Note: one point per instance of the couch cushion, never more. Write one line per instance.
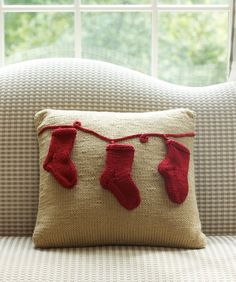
(19, 261)
(28, 87)
(86, 214)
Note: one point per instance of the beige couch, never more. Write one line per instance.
(89, 85)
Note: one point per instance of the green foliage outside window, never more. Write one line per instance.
(192, 47)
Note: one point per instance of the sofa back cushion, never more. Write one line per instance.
(87, 85)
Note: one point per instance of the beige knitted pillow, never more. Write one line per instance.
(87, 214)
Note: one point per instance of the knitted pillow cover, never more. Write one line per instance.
(117, 178)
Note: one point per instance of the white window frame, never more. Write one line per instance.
(77, 8)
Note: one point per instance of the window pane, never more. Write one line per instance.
(120, 38)
(38, 35)
(196, 2)
(38, 2)
(193, 47)
(110, 2)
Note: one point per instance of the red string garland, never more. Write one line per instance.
(143, 137)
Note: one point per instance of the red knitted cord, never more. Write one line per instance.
(58, 161)
(174, 169)
(143, 137)
(116, 176)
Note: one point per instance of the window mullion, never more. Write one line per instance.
(2, 37)
(230, 35)
(77, 27)
(154, 46)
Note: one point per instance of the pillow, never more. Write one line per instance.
(100, 187)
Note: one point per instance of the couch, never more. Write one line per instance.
(27, 87)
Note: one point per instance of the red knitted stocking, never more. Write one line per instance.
(116, 175)
(58, 161)
(174, 169)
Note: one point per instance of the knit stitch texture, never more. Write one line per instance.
(89, 215)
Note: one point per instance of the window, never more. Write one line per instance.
(181, 41)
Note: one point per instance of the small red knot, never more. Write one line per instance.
(77, 124)
(143, 138)
(165, 137)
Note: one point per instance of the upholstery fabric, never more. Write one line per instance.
(19, 261)
(26, 88)
(89, 215)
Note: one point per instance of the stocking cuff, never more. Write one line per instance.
(64, 132)
(120, 147)
(177, 145)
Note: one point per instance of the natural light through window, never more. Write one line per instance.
(181, 41)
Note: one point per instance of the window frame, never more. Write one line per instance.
(153, 8)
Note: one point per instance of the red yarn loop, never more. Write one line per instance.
(77, 124)
(143, 138)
